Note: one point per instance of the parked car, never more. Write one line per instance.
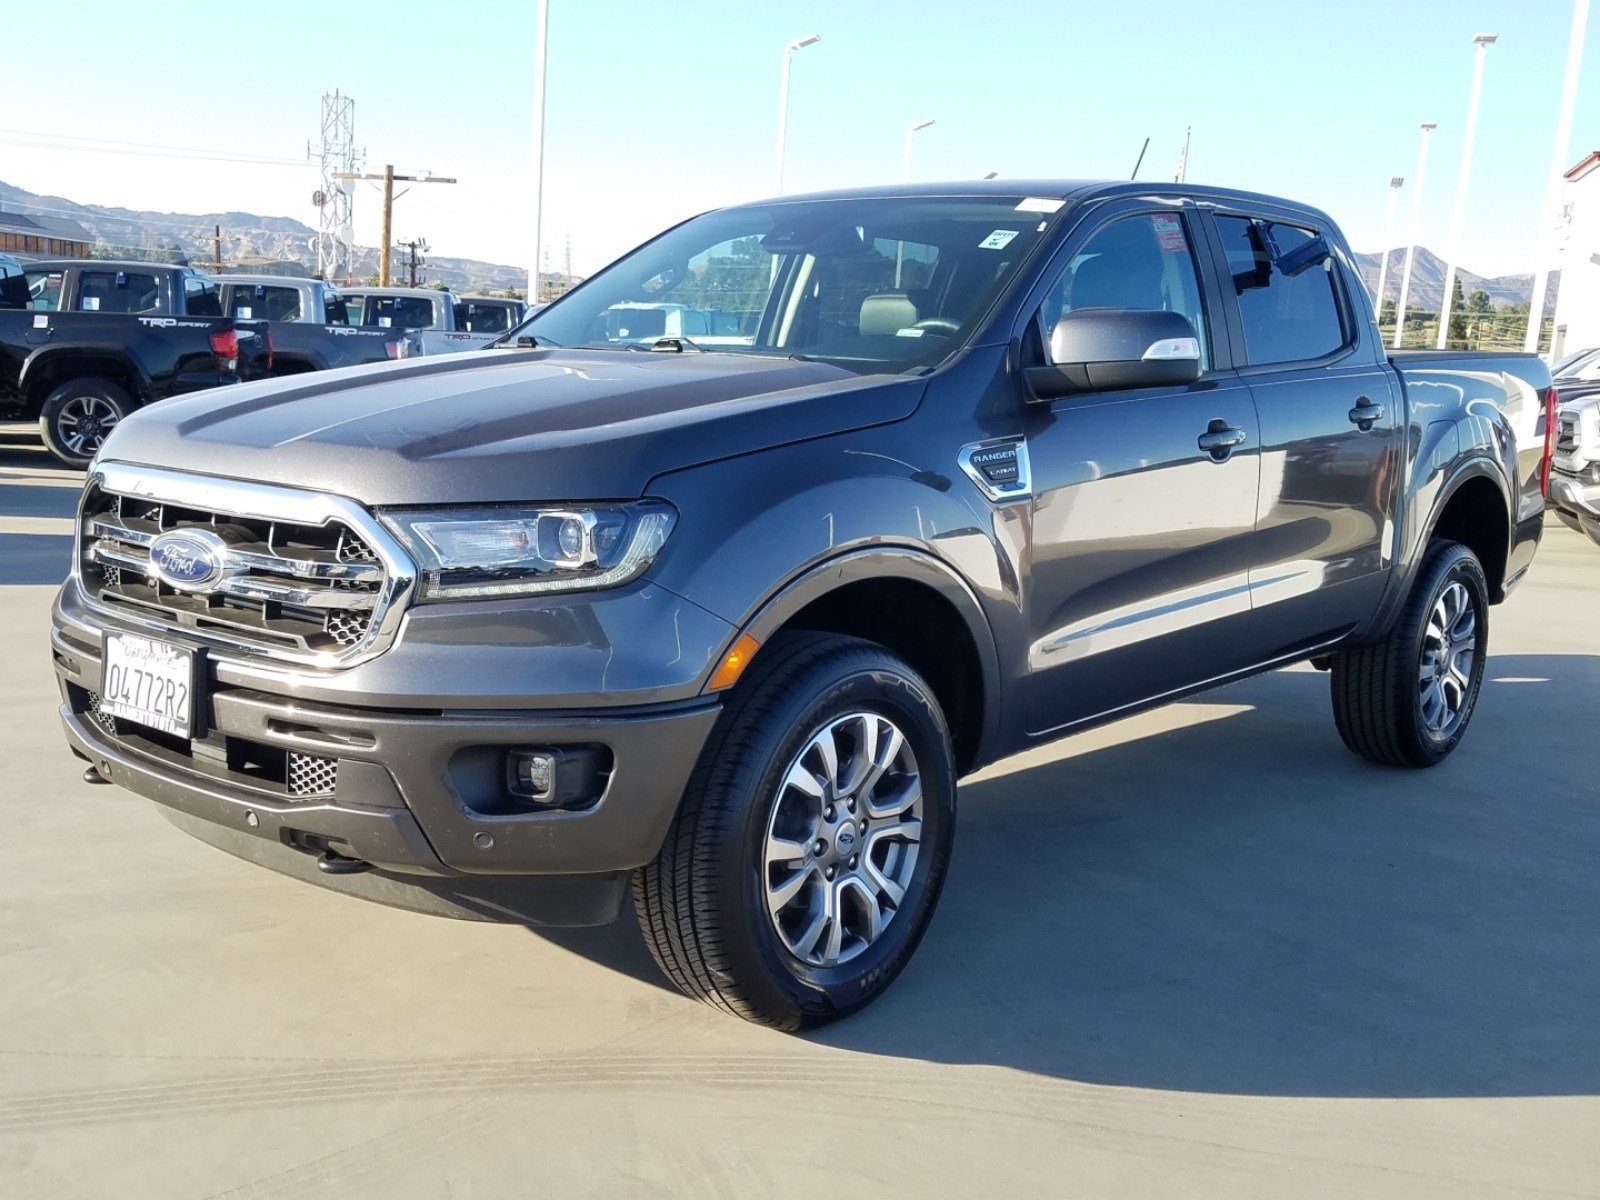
(83, 343)
(476, 321)
(1575, 479)
(310, 324)
(522, 632)
(400, 308)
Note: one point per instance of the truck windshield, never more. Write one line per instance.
(875, 284)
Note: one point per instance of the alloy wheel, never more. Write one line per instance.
(1449, 648)
(843, 839)
(84, 423)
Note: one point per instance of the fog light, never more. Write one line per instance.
(557, 776)
(533, 775)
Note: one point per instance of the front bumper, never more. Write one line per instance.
(420, 791)
(1572, 493)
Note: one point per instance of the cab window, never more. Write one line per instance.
(118, 292)
(1138, 262)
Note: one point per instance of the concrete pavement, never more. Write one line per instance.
(1203, 952)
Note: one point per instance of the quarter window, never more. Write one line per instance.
(1141, 262)
(1286, 318)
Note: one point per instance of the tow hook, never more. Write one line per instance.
(332, 863)
(90, 775)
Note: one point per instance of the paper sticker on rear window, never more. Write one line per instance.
(998, 240)
(90, 304)
(1040, 204)
(1169, 232)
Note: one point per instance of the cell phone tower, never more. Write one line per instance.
(335, 198)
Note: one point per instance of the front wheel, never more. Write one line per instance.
(1405, 701)
(812, 842)
(78, 416)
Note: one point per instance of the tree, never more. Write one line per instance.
(1479, 303)
(1387, 313)
(1458, 314)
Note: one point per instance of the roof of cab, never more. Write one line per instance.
(105, 264)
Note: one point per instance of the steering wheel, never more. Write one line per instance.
(940, 325)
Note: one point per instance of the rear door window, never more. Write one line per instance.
(398, 312)
(485, 318)
(44, 290)
(200, 297)
(1286, 317)
(258, 302)
(118, 292)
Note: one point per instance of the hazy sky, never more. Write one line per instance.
(659, 110)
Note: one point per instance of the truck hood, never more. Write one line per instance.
(506, 425)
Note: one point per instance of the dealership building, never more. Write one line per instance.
(1578, 301)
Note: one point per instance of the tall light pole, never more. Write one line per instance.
(1459, 215)
(542, 25)
(1558, 166)
(1411, 238)
(783, 104)
(1396, 182)
(905, 165)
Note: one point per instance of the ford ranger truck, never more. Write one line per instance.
(519, 633)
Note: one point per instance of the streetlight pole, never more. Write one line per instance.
(905, 166)
(542, 27)
(1558, 166)
(1411, 239)
(783, 103)
(905, 177)
(1396, 182)
(1459, 215)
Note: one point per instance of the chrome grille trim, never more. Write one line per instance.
(362, 585)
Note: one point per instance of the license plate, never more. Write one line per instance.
(150, 682)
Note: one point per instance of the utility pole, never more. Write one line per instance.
(1411, 240)
(1551, 211)
(414, 261)
(1459, 216)
(389, 179)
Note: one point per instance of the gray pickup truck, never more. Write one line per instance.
(968, 468)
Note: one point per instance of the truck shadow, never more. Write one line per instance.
(1238, 905)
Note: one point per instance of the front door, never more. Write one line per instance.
(1144, 501)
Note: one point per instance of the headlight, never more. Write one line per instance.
(467, 553)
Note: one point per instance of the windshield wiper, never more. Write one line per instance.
(531, 341)
(675, 345)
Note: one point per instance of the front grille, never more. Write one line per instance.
(1567, 436)
(298, 580)
(312, 775)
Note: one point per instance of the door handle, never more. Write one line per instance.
(1365, 414)
(1220, 438)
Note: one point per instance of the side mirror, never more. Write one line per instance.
(1109, 349)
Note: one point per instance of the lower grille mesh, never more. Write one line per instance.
(312, 775)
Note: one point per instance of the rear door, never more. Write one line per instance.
(1330, 435)
(1138, 577)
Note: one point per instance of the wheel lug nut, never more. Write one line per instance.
(827, 813)
(853, 861)
(820, 846)
(830, 872)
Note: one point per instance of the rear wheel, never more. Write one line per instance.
(1405, 701)
(78, 416)
(808, 854)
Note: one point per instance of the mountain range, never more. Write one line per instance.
(255, 240)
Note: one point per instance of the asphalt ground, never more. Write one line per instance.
(1203, 952)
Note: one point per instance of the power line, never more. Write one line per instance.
(63, 141)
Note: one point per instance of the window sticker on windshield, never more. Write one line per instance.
(998, 240)
(40, 321)
(1040, 204)
(1169, 232)
(909, 332)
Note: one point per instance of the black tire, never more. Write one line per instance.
(78, 416)
(1377, 689)
(701, 903)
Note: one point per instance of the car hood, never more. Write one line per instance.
(506, 425)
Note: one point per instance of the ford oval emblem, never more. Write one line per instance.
(190, 560)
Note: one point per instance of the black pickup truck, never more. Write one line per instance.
(961, 469)
(310, 323)
(85, 342)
